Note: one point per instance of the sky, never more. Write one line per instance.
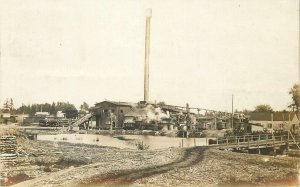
(201, 52)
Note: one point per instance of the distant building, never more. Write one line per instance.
(5, 116)
(110, 114)
(142, 115)
(206, 123)
(149, 117)
(60, 114)
(42, 114)
(274, 121)
(135, 118)
(152, 116)
(34, 120)
(256, 128)
(294, 124)
(19, 118)
(241, 123)
(213, 122)
(223, 123)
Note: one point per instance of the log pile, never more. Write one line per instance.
(8, 148)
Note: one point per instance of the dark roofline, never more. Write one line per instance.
(266, 116)
(118, 103)
(255, 124)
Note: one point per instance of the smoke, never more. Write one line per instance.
(155, 113)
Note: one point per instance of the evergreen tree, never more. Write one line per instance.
(295, 92)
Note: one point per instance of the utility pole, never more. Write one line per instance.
(232, 112)
(297, 107)
(118, 117)
(188, 117)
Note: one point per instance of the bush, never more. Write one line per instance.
(43, 161)
(20, 177)
(65, 162)
(141, 146)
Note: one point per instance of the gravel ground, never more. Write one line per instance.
(65, 164)
(222, 168)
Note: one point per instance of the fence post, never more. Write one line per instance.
(248, 143)
(288, 141)
(227, 143)
(257, 142)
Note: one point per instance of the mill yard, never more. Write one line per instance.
(219, 111)
(60, 163)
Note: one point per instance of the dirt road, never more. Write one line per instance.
(66, 164)
(127, 177)
(97, 161)
(197, 166)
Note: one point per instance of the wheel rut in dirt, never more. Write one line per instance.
(190, 157)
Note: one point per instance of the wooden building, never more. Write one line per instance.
(276, 121)
(110, 114)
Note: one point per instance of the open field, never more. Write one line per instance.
(65, 164)
(38, 159)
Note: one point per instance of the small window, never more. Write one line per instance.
(281, 126)
(121, 111)
(113, 111)
(269, 125)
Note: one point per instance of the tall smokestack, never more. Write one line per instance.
(147, 52)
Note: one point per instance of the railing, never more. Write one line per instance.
(251, 138)
(254, 140)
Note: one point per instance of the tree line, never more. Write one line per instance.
(45, 107)
(51, 108)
